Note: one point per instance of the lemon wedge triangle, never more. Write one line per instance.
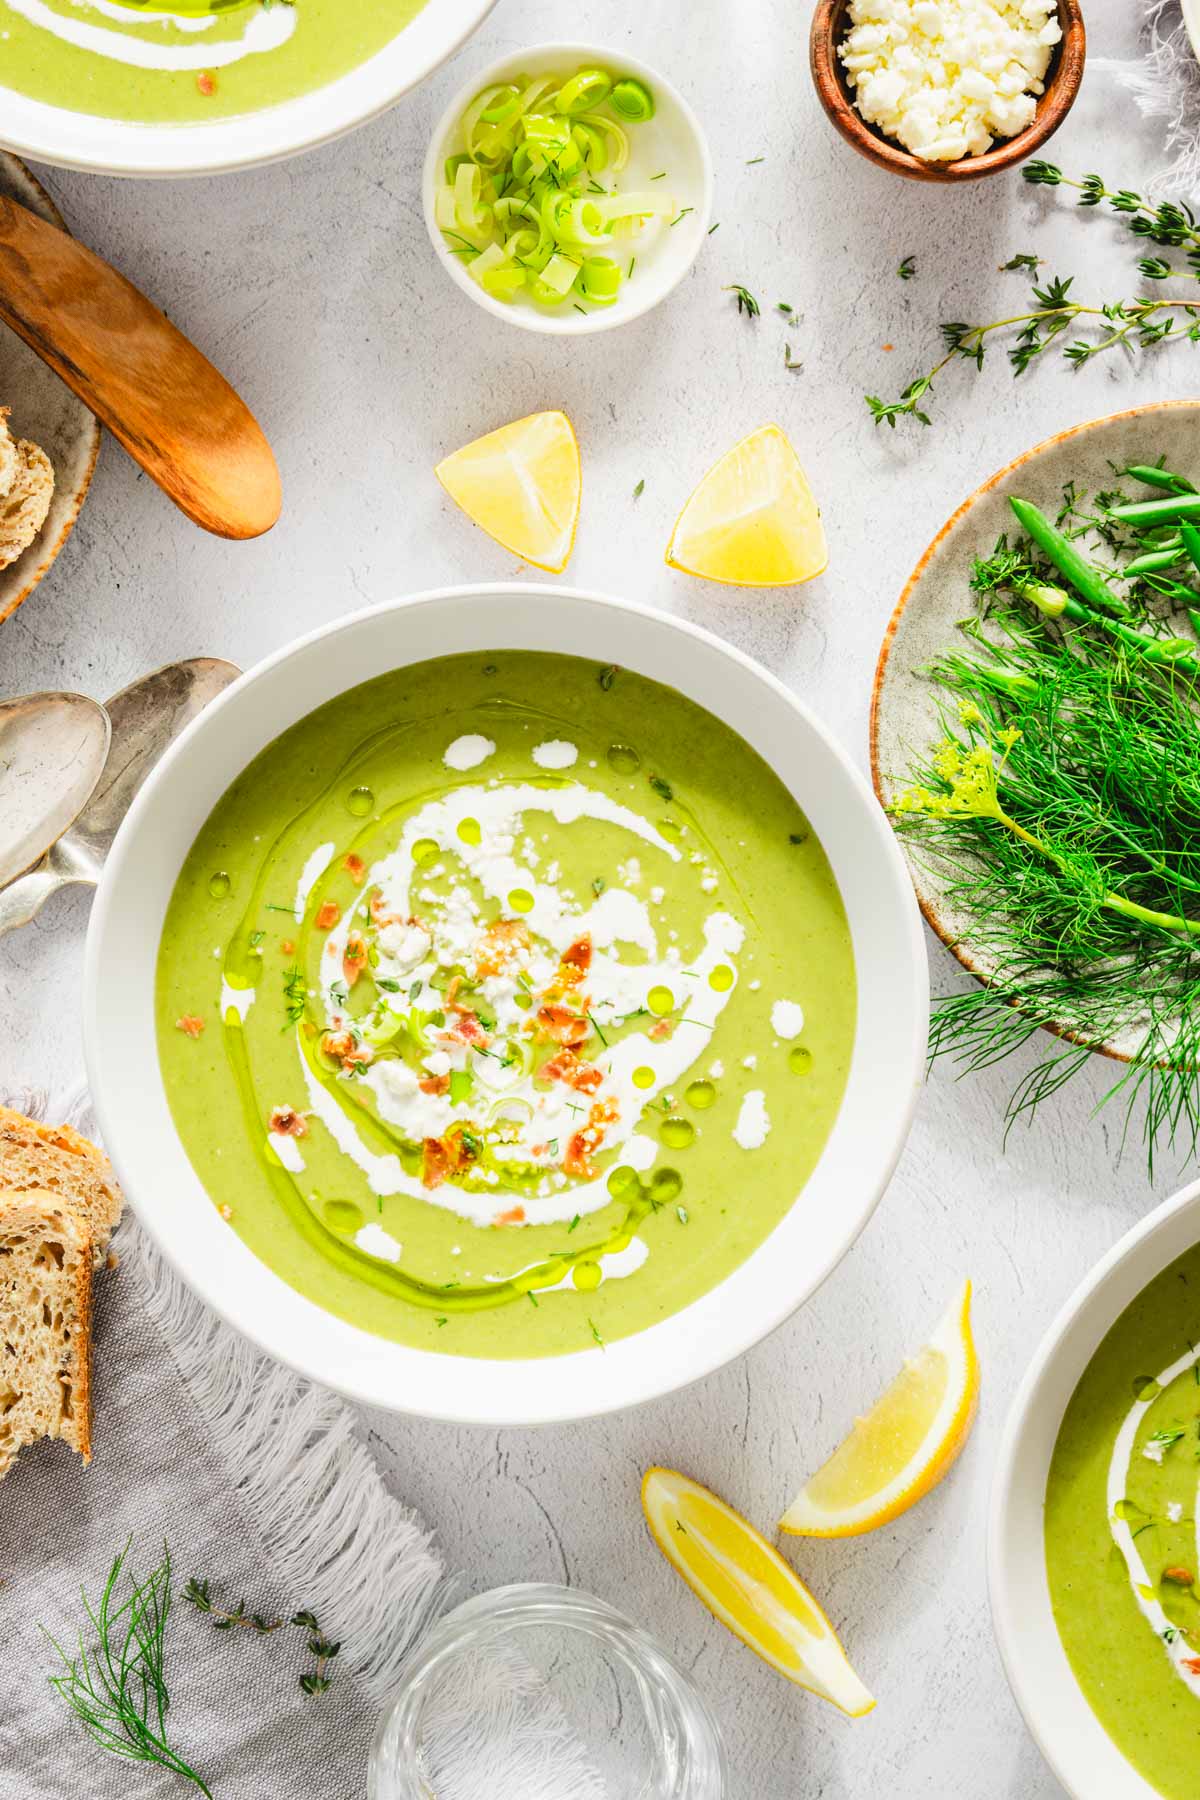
(746, 1584)
(753, 521)
(521, 484)
(904, 1445)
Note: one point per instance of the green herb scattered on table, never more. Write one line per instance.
(1061, 809)
(116, 1685)
(314, 1681)
(746, 303)
(907, 269)
(1137, 322)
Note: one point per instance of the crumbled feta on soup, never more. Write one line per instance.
(946, 77)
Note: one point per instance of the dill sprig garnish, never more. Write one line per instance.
(1061, 814)
(295, 994)
(116, 1687)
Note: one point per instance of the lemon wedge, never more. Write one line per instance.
(521, 484)
(752, 521)
(745, 1583)
(904, 1445)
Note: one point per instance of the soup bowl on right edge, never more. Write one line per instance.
(1092, 1544)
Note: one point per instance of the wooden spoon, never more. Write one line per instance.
(174, 413)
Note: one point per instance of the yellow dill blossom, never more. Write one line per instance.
(971, 774)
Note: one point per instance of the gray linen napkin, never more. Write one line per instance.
(159, 1470)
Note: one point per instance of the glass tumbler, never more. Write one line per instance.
(540, 1692)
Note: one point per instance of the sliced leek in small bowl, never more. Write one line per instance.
(567, 189)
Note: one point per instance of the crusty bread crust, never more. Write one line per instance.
(45, 1323)
(36, 1155)
(26, 500)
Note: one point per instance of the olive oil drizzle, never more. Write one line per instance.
(243, 969)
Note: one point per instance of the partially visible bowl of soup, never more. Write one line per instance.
(184, 86)
(506, 1004)
(1093, 1553)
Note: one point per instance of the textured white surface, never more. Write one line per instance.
(314, 287)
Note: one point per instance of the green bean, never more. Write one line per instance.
(1189, 537)
(1068, 561)
(1154, 559)
(1161, 478)
(1056, 603)
(1157, 512)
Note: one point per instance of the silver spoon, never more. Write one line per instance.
(146, 717)
(52, 754)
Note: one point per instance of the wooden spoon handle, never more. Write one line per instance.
(174, 413)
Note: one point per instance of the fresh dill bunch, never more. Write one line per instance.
(1060, 813)
(116, 1686)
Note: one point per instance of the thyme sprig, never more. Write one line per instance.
(1169, 224)
(1138, 324)
(746, 303)
(227, 1618)
(117, 1686)
(1135, 323)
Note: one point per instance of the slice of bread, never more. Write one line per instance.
(26, 490)
(10, 462)
(57, 1158)
(45, 1323)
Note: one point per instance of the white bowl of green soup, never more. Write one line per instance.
(506, 1004)
(131, 87)
(1094, 1547)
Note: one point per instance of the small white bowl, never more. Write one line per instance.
(1066, 1730)
(886, 1066)
(671, 140)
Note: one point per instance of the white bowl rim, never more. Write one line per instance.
(591, 1392)
(568, 323)
(72, 140)
(1065, 1738)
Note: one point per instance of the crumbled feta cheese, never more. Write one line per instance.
(946, 77)
(403, 945)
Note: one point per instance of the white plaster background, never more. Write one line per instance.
(314, 287)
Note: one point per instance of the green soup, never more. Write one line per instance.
(1121, 1544)
(505, 1004)
(191, 60)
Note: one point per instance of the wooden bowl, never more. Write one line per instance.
(836, 96)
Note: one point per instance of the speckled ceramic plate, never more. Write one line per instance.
(937, 595)
(46, 412)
